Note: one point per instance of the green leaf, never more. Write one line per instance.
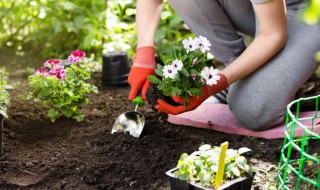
(68, 6)
(248, 169)
(175, 91)
(79, 118)
(195, 91)
(185, 72)
(193, 71)
(175, 22)
(52, 113)
(235, 171)
(159, 72)
(67, 112)
(162, 86)
(43, 92)
(154, 79)
(163, 59)
(3, 113)
(241, 162)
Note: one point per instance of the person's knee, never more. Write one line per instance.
(256, 117)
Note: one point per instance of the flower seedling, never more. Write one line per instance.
(185, 73)
(202, 166)
(4, 103)
(62, 89)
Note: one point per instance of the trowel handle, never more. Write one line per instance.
(138, 101)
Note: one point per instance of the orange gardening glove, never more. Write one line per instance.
(144, 64)
(194, 102)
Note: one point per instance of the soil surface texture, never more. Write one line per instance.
(39, 154)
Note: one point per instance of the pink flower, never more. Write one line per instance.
(76, 56)
(46, 73)
(50, 62)
(56, 69)
(61, 75)
(193, 76)
(40, 70)
(78, 53)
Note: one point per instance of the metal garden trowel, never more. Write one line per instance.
(130, 121)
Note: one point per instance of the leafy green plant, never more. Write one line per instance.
(4, 96)
(4, 103)
(62, 89)
(201, 166)
(184, 73)
(53, 26)
(121, 25)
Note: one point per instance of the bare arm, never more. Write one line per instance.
(270, 40)
(147, 19)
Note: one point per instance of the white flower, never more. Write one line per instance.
(177, 64)
(210, 75)
(202, 43)
(169, 71)
(189, 44)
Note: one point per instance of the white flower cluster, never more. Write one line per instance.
(209, 75)
(200, 42)
(170, 71)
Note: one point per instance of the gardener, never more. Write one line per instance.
(261, 78)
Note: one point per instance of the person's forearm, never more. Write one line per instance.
(262, 49)
(147, 19)
(272, 37)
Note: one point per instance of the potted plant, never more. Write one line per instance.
(202, 168)
(4, 103)
(183, 73)
(62, 89)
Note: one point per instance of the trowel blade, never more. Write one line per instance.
(131, 121)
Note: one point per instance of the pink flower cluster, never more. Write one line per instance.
(76, 56)
(52, 67)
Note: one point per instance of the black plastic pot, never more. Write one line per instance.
(242, 183)
(115, 68)
(1, 133)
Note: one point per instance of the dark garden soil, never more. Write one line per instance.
(39, 154)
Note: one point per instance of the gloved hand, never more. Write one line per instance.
(164, 107)
(144, 64)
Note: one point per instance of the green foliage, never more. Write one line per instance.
(121, 35)
(201, 166)
(170, 31)
(4, 96)
(94, 26)
(52, 25)
(312, 13)
(64, 96)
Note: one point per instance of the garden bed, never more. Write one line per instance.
(70, 155)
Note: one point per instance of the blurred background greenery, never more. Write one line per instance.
(35, 30)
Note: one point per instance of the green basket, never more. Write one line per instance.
(299, 167)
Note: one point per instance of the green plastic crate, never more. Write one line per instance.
(296, 159)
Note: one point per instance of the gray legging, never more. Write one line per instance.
(259, 100)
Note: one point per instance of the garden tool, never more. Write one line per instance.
(131, 121)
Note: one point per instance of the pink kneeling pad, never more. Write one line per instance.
(218, 117)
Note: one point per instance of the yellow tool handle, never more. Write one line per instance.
(222, 158)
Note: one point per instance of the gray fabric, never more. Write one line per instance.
(258, 101)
